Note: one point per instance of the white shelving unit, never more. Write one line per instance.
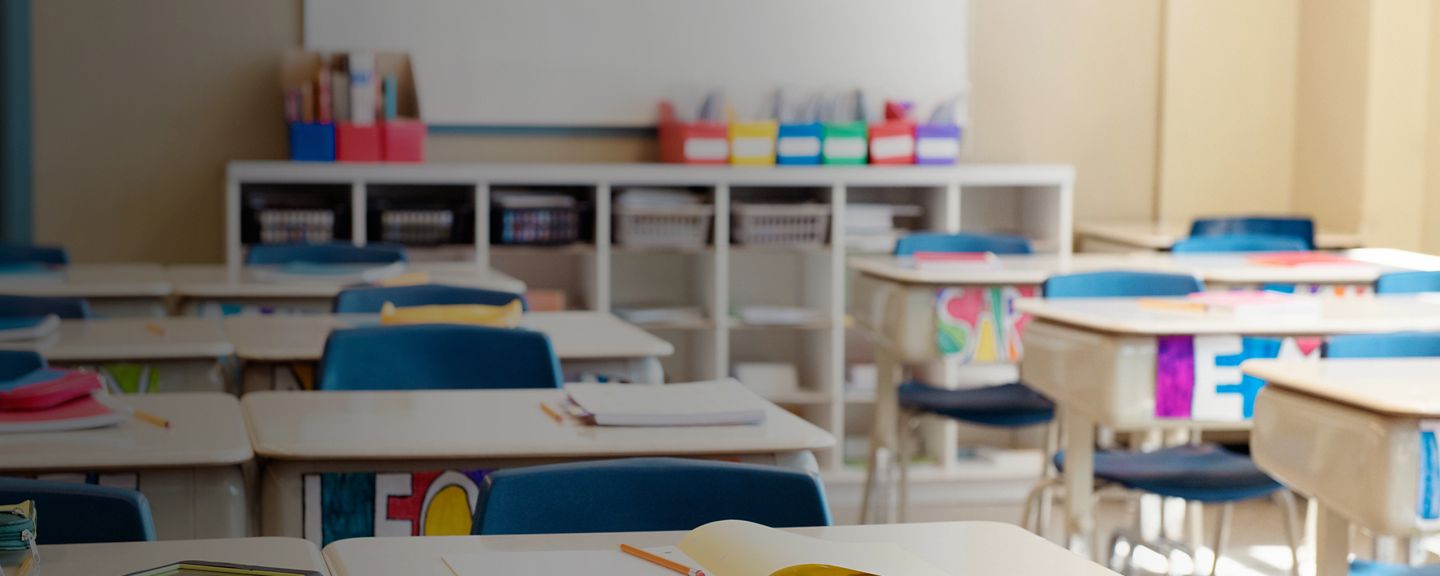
(1030, 200)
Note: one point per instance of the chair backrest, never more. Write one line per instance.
(645, 494)
(939, 242)
(1408, 282)
(325, 254)
(1120, 284)
(1240, 243)
(1293, 226)
(437, 357)
(17, 363)
(369, 300)
(31, 306)
(25, 254)
(73, 513)
(1395, 345)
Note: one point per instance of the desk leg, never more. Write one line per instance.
(1332, 543)
(1079, 481)
(257, 376)
(882, 436)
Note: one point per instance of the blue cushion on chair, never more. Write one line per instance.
(369, 299)
(1202, 473)
(36, 306)
(437, 357)
(73, 513)
(1394, 345)
(1299, 227)
(1408, 282)
(1240, 243)
(1365, 568)
(936, 242)
(335, 253)
(1120, 284)
(645, 494)
(1006, 405)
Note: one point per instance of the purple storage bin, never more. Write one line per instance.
(937, 143)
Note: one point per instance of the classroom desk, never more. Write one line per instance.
(113, 289)
(584, 342)
(191, 472)
(1348, 432)
(113, 559)
(168, 354)
(1125, 236)
(309, 438)
(917, 316)
(1128, 367)
(960, 548)
(203, 289)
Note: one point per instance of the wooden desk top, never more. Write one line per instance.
(1403, 387)
(127, 557)
(131, 339)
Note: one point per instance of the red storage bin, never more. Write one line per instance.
(692, 142)
(892, 142)
(402, 141)
(357, 143)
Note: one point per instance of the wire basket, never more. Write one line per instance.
(663, 226)
(285, 226)
(417, 226)
(780, 224)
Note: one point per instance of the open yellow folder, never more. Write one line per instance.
(507, 316)
(739, 548)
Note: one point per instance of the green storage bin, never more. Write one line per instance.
(845, 143)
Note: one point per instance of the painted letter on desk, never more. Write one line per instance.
(356, 504)
(980, 324)
(1199, 377)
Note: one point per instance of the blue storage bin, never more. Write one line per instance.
(799, 144)
(313, 142)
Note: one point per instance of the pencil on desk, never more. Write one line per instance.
(154, 328)
(1176, 305)
(25, 565)
(661, 561)
(551, 413)
(151, 419)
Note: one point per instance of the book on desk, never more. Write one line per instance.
(715, 403)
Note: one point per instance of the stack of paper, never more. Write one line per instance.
(724, 548)
(661, 314)
(28, 328)
(1240, 304)
(953, 260)
(779, 315)
(717, 403)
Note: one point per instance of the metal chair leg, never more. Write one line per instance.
(1292, 527)
(1222, 535)
(906, 424)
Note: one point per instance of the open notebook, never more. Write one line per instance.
(312, 272)
(716, 403)
(28, 327)
(725, 548)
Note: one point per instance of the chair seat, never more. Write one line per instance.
(1202, 473)
(1364, 568)
(1006, 405)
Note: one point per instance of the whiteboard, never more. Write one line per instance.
(607, 63)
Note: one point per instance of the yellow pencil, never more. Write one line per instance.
(154, 328)
(1176, 305)
(25, 565)
(151, 419)
(661, 561)
(551, 413)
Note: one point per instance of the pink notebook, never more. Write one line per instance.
(77, 414)
(47, 388)
(1291, 259)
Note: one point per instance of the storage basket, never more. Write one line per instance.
(417, 226)
(286, 226)
(535, 226)
(663, 226)
(780, 224)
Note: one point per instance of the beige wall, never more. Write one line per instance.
(1330, 111)
(138, 105)
(1431, 241)
(1395, 122)
(1227, 124)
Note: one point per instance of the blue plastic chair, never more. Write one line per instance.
(25, 254)
(1299, 227)
(437, 357)
(645, 494)
(336, 253)
(938, 242)
(369, 300)
(1120, 284)
(72, 513)
(36, 306)
(1407, 283)
(1367, 568)
(1239, 243)
(1395, 345)
(17, 363)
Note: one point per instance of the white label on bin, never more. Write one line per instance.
(947, 148)
(754, 147)
(706, 149)
(845, 147)
(800, 146)
(891, 147)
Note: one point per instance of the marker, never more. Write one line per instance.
(661, 561)
(551, 413)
